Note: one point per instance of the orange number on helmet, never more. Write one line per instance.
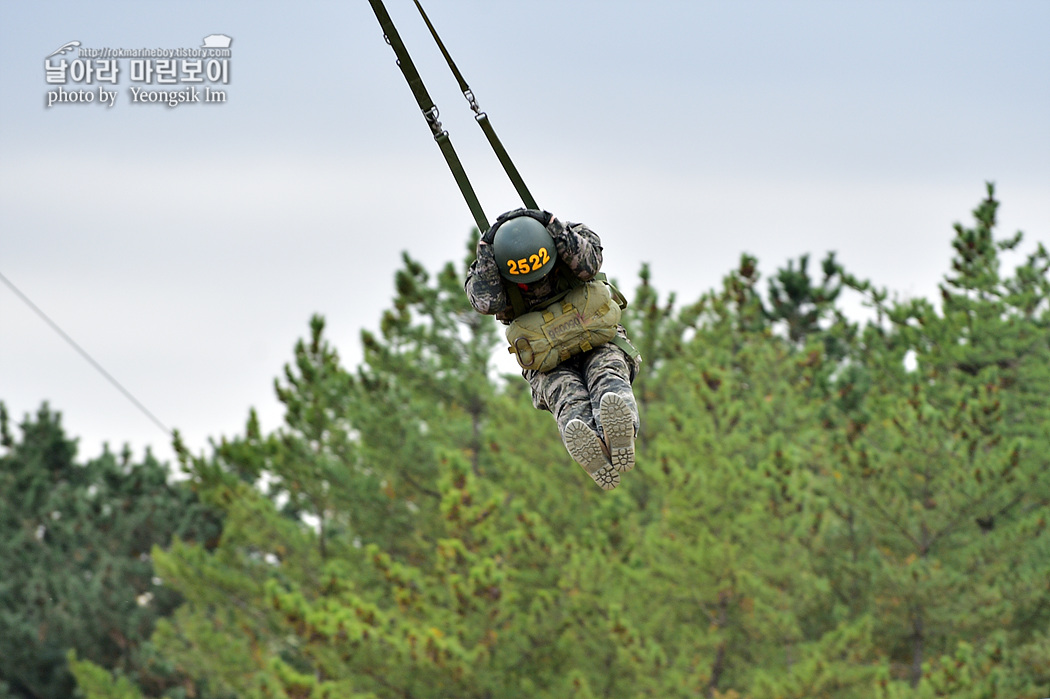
(534, 260)
(523, 266)
(544, 257)
(513, 266)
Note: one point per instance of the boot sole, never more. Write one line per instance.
(618, 424)
(586, 448)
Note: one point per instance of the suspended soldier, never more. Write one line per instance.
(541, 277)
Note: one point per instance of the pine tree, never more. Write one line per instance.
(735, 431)
(75, 542)
(819, 509)
(940, 500)
(801, 305)
(469, 599)
(360, 553)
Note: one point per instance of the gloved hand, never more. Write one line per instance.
(543, 217)
(488, 236)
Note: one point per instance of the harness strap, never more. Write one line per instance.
(430, 112)
(625, 344)
(482, 119)
(516, 301)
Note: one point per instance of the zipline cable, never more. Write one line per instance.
(83, 353)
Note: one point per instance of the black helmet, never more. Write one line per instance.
(524, 249)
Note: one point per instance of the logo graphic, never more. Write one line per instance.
(216, 41)
(65, 48)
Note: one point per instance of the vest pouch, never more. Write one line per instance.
(586, 317)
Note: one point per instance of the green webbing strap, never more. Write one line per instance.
(625, 344)
(501, 153)
(483, 120)
(516, 301)
(621, 342)
(461, 178)
(430, 112)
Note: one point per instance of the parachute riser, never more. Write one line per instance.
(431, 114)
(481, 117)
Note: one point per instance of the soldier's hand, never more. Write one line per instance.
(488, 236)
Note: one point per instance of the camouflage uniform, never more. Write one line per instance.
(573, 389)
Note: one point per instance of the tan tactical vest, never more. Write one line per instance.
(576, 321)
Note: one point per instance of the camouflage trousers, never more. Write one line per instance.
(574, 388)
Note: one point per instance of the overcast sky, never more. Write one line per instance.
(186, 248)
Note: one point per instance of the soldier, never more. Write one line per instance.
(526, 261)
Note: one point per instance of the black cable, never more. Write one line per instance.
(83, 353)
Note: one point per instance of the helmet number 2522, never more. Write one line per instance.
(524, 266)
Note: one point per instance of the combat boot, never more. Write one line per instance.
(587, 449)
(618, 424)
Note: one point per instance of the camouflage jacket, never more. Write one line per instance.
(579, 252)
